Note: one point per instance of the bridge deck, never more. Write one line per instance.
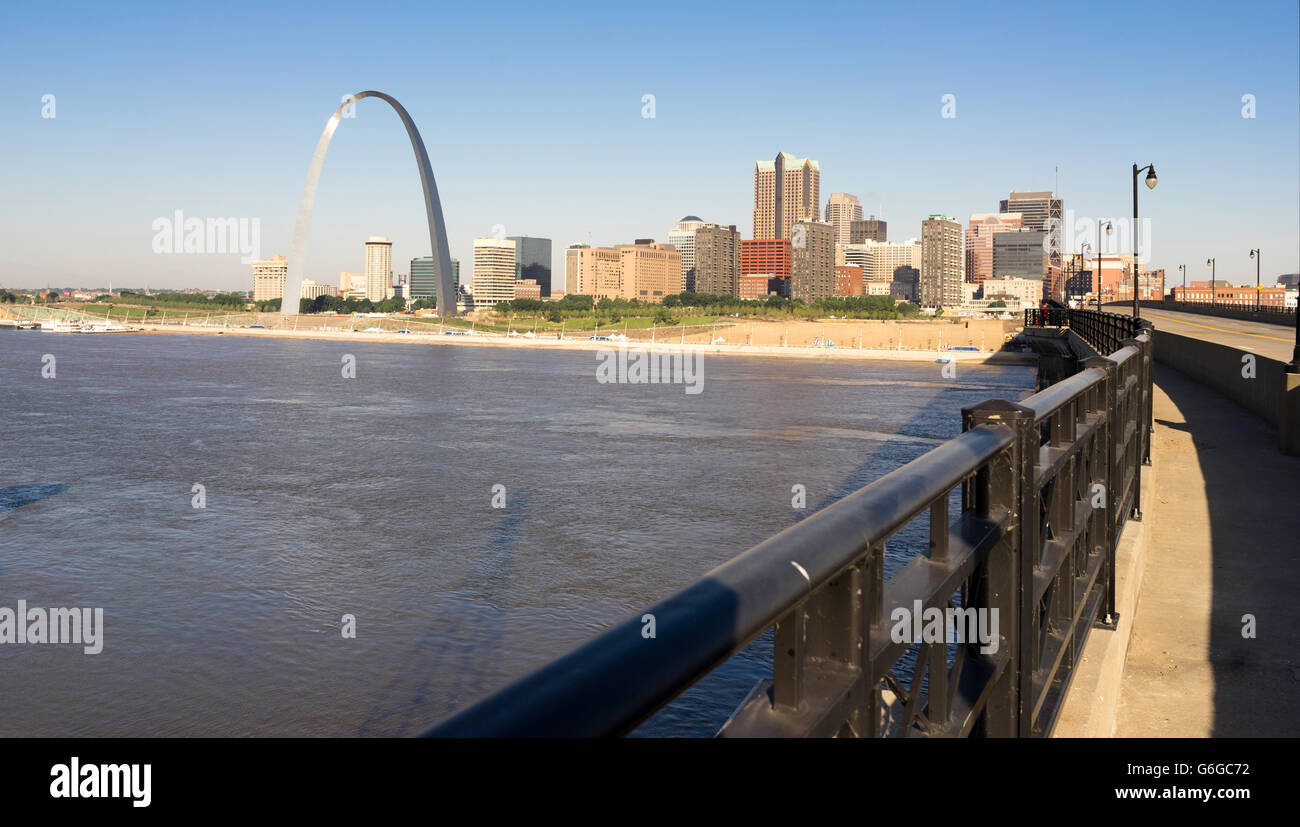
(1223, 546)
(1271, 340)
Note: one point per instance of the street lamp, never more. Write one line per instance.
(1084, 246)
(1209, 262)
(1183, 267)
(1109, 230)
(1151, 184)
(1255, 255)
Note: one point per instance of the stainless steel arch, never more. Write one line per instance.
(437, 228)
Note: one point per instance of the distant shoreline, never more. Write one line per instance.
(998, 357)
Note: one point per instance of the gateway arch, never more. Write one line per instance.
(437, 227)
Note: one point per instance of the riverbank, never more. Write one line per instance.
(722, 348)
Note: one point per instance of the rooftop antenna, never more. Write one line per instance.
(1057, 191)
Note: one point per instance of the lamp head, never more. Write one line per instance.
(1208, 262)
(1151, 177)
(1252, 255)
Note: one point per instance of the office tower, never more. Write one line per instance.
(812, 265)
(884, 262)
(979, 241)
(868, 229)
(786, 190)
(764, 267)
(841, 211)
(1016, 292)
(494, 271)
(379, 268)
(857, 255)
(533, 260)
(1020, 254)
(572, 267)
(1040, 210)
(268, 278)
(424, 283)
(592, 271)
(682, 237)
(649, 271)
(311, 289)
(717, 259)
(941, 261)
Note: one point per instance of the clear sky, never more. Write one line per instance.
(532, 114)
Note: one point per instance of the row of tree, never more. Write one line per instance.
(577, 306)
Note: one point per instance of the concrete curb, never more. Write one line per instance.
(1091, 708)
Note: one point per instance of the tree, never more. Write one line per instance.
(998, 303)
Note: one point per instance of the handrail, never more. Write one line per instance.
(1029, 543)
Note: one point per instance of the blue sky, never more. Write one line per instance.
(532, 117)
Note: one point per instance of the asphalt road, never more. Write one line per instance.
(1271, 340)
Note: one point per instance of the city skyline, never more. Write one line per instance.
(114, 165)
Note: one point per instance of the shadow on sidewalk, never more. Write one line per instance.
(1253, 496)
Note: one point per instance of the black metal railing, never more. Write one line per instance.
(1043, 489)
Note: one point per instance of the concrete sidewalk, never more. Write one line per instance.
(1225, 542)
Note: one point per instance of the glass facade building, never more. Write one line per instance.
(533, 260)
(423, 281)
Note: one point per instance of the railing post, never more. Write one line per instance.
(1106, 523)
(1138, 413)
(1005, 486)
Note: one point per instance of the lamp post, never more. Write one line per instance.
(1109, 230)
(1084, 246)
(1183, 267)
(1209, 262)
(1151, 184)
(1255, 255)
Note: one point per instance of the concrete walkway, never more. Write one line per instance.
(1225, 542)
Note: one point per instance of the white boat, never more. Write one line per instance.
(62, 326)
(102, 327)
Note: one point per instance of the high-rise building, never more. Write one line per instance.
(1016, 292)
(682, 237)
(979, 241)
(717, 259)
(812, 265)
(786, 190)
(494, 271)
(868, 229)
(889, 262)
(649, 271)
(765, 267)
(1020, 254)
(643, 270)
(841, 211)
(1041, 211)
(857, 255)
(379, 268)
(592, 271)
(941, 262)
(311, 289)
(268, 278)
(533, 260)
(424, 283)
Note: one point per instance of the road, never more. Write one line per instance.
(1271, 340)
